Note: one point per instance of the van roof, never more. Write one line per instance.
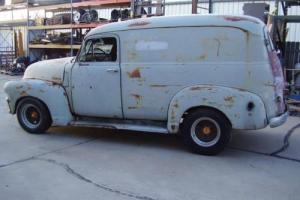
(246, 23)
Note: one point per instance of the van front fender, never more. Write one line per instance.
(52, 95)
(243, 109)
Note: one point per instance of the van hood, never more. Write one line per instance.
(48, 70)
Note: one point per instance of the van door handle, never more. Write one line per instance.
(112, 70)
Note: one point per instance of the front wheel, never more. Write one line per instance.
(206, 131)
(33, 116)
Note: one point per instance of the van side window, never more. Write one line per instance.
(99, 50)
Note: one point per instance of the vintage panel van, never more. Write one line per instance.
(199, 76)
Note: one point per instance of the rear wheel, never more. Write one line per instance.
(33, 116)
(206, 131)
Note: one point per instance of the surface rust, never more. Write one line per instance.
(158, 86)
(135, 73)
(138, 99)
(56, 79)
(176, 105)
(200, 88)
(23, 93)
(202, 57)
(133, 107)
(131, 55)
(137, 96)
(270, 85)
(229, 99)
(173, 115)
(19, 87)
(241, 89)
(142, 23)
(219, 45)
(239, 18)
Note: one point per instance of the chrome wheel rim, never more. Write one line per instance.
(31, 116)
(205, 132)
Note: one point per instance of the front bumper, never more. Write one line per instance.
(278, 121)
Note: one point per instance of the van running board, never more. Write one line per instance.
(155, 127)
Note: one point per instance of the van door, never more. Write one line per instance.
(95, 78)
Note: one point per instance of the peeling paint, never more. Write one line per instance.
(151, 45)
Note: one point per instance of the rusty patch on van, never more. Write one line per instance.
(23, 93)
(19, 87)
(173, 115)
(242, 90)
(56, 79)
(239, 18)
(135, 73)
(133, 107)
(200, 88)
(229, 101)
(176, 105)
(219, 45)
(202, 57)
(138, 98)
(158, 86)
(142, 23)
(179, 59)
(131, 55)
(270, 85)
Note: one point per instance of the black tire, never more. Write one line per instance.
(206, 131)
(33, 116)
(94, 15)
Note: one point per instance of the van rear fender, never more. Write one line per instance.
(243, 109)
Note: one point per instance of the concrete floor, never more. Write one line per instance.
(86, 163)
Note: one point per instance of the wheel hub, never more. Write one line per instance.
(205, 131)
(31, 116)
